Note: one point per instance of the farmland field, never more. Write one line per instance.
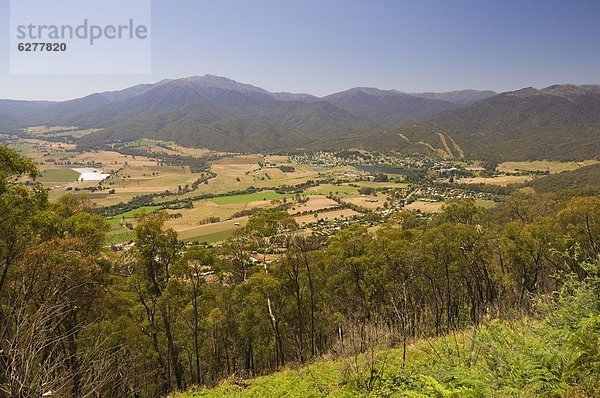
(326, 215)
(369, 202)
(500, 180)
(210, 231)
(328, 189)
(240, 183)
(252, 197)
(425, 207)
(543, 165)
(58, 176)
(314, 203)
(132, 213)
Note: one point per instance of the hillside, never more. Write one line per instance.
(558, 122)
(553, 353)
(388, 108)
(220, 113)
(585, 180)
(259, 127)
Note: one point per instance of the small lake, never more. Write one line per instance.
(91, 174)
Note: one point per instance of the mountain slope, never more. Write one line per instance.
(387, 108)
(253, 127)
(558, 122)
(585, 180)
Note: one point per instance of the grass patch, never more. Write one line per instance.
(486, 204)
(252, 197)
(120, 235)
(326, 189)
(147, 142)
(212, 237)
(58, 176)
(116, 220)
(551, 167)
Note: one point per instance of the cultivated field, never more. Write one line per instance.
(314, 203)
(543, 165)
(368, 202)
(210, 232)
(425, 207)
(326, 215)
(499, 180)
(214, 219)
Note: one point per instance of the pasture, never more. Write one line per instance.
(499, 180)
(209, 232)
(551, 167)
(425, 207)
(57, 176)
(325, 215)
(368, 202)
(314, 203)
(263, 196)
(216, 218)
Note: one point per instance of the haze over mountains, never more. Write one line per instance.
(220, 113)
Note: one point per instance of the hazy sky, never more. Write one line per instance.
(324, 46)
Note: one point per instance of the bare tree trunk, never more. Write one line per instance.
(173, 350)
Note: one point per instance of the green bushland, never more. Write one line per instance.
(553, 352)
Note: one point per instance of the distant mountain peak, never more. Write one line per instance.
(219, 82)
(567, 91)
(369, 91)
(461, 97)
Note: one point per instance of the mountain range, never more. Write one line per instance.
(222, 114)
(558, 122)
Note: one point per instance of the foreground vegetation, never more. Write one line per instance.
(80, 320)
(554, 352)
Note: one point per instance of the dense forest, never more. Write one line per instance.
(78, 319)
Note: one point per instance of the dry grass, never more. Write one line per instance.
(198, 232)
(327, 215)
(543, 165)
(376, 184)
(191, 218)
(369, 202)
(315, 203)
(243, 171)
(425, 207)
(500, 180)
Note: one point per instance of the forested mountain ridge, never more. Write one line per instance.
(388, 108)
(585, 180)
(223, 114)
(559, 122)
(462, 97)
